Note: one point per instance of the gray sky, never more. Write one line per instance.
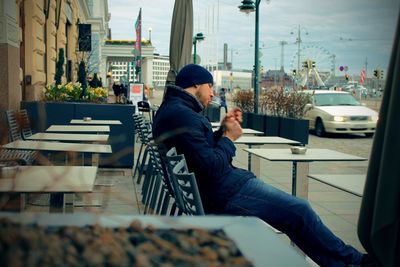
(352, 30)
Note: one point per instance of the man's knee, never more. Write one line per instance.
(307, 213)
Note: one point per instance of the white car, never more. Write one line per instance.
(339, 112)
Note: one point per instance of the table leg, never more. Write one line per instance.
(249, 159)
(57, 202)
(95, 159)
(24, 198)
(69, 202)
(255, 166)
(294, 176)
(299, 179)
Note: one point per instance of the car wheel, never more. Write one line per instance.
(369, 134)
(319, 128)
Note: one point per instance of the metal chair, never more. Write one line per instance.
(19, 124)
(144, 132)
(144, 107)
(21, 157)
(26, 128)
(13, 125)
(170, 159)
(188, 189)
(155, 189)
(167, 197)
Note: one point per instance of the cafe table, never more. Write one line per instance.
(73, 137)
(56, 180)
(256, 141)
(95, 122)
(79, 128)
(95, 149)
(254, 238)
(300, 163)
(351, 183)
(246, 131)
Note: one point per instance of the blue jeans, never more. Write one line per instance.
(294, 217)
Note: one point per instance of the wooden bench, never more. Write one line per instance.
(351, 183)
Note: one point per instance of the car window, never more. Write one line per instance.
(335, 100)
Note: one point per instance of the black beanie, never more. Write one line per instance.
(193, 74)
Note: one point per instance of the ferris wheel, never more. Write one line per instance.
(314, 67)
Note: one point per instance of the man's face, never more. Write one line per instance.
(204, 93)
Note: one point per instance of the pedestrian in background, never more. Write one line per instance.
(222, 98)
(117, 91)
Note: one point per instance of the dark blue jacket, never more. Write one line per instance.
(178, 123)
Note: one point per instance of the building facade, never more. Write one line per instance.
(160, 70)
(232, 79)
(118, 57)
(31, 35)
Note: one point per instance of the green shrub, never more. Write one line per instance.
(82, 77)
(59, 67)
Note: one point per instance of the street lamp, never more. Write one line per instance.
(198, 37)
(248, 6)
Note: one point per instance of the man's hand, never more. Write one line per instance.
(235, 113)
(231, 124)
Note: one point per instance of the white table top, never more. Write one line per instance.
(78, 128)
(312, 154)
(70, 137)
(59, 146)
(257, 241)
(245, 131)
(49, 179)
(352, 183)
(251, 131)
(105, 122)
(260, 140)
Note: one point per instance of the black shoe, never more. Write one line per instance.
(368, 261)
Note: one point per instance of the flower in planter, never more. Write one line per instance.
(63, 92)
(74, 91)
(97, 94)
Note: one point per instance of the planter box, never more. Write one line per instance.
(294, 129)
(44, 114)
(121, 137)
(256, 121)
(271, 125)
(245, 119)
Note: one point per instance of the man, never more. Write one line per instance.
(225, 189)
(222, 97)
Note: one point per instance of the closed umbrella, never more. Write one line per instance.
(180, 44)
(379, 221)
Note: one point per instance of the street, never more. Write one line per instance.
(358, 145)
